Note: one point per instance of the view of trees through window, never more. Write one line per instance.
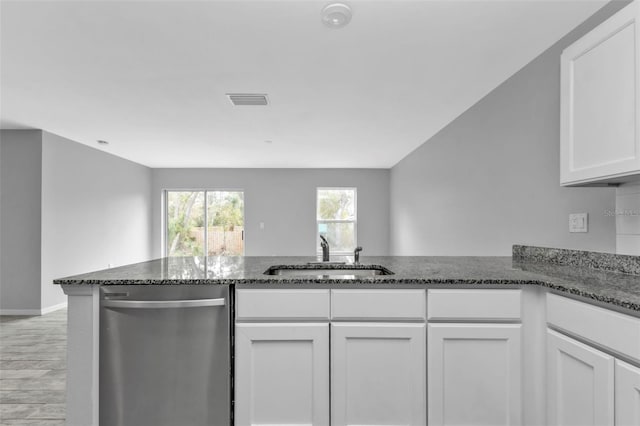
(186, 215)
(336, 216)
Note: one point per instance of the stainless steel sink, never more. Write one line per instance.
(329, 270)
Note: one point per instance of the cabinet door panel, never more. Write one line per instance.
(378, 374)
(475, 374)
(282, 374)
(579, 383)
(627, 394)
(600, 96)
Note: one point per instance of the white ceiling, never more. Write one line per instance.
(150, 77)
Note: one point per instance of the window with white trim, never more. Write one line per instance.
(336, 215)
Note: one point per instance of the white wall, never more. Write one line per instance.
(628, 219)
(285, 200)
(96, 211)
(20, 185)
(490, 178)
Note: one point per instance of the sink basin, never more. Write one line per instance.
(328, 270)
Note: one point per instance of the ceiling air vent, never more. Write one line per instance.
(242, 99)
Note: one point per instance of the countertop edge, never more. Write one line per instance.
(366, 281)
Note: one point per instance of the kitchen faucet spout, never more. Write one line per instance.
(325, 248)
(356, 255)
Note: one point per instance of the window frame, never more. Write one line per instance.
(165, 212)
(354, 221)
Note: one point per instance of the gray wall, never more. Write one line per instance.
(96, 211)
(20, 185)
(490, 178)
(285, 200)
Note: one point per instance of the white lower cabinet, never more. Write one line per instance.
(580, 383)
(363, 361)
(282, 374)
(475, 374)
(627, 394)
(378, 374)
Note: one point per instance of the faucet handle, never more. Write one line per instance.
(357, 249)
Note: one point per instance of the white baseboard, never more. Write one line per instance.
(29, 312)
(49, 309)
(32, 312)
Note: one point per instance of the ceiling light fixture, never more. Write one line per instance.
(336, 15)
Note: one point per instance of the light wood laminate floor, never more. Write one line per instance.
(33, 351)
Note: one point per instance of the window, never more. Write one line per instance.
(336, 216)
(186, 215)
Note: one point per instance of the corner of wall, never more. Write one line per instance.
(20, 220)
(627, 215)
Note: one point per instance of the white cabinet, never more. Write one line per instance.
(475, 374)
(474, 305)
(600, 101)
(579, 383)
(627, 394)
(378, 368)
(378, 374)
(380, 305)
(282, 374)
(475, 367)
(580, 375)
(282, 305)
(595, 324)
(360, 357)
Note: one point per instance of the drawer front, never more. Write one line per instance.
(384, 304)
(272, 304)
(616, 331)
(469, 305)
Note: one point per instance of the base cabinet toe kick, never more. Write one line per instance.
(412, 356)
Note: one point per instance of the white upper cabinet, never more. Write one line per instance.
(600, 101)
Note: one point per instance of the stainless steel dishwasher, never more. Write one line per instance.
(165, 355)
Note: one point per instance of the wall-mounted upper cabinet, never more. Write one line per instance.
(600, 103)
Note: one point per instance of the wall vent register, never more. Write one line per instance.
(248, 99)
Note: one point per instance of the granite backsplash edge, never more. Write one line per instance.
(620, 263)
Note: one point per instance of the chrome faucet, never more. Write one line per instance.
(356, 255)
(325, 248)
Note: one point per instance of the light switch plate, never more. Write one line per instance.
(578, 222)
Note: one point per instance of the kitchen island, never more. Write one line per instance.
(537, 272)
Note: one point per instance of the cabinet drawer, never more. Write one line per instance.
(616, 331)
(462, 304)
(279, 304)
(378, 305)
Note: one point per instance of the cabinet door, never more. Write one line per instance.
(475, 374)
(282, 374)
(378, 374)
(579, 383)
(627, 394)
(600, 97)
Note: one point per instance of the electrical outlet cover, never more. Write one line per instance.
(578, 222)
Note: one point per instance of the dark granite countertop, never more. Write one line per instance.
(621, 290)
